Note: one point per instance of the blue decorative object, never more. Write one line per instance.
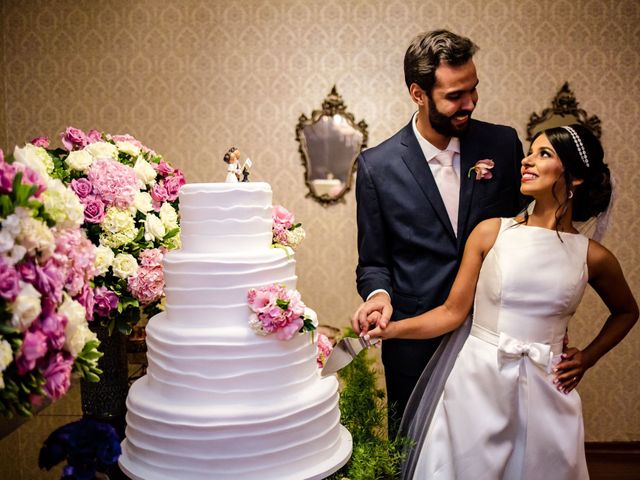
(87, 446)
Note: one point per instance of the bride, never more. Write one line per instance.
(507, 409)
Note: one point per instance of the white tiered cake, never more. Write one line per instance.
(220, 401)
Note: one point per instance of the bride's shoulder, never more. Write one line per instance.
(485, 233)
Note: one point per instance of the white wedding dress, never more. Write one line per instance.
(500, 416)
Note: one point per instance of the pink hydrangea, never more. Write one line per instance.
(324, 349)
(147, 285)
(151, 257)
(115, 183)
(75, 256)
(57, 375)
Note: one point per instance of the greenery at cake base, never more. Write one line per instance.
(363, 412)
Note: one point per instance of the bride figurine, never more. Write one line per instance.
(234, 171)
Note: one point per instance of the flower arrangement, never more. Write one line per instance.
(87, 446)
(482, 168)
(46, 300)
(324, 349)
(129, 196)
(286, 233)
(278, 310)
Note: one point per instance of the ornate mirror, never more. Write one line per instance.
(564, 110)
(330, 142)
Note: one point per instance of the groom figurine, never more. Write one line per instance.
(420, 194)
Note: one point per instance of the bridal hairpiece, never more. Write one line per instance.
(579, 145)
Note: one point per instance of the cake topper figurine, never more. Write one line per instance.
(232, 159)
(235, 172)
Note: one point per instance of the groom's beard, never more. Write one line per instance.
(442, 124)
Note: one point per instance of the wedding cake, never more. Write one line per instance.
(220, 401)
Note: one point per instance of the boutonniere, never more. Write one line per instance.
(482, 169)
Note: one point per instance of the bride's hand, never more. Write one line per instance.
(570, 370)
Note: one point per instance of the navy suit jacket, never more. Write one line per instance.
(406, 244)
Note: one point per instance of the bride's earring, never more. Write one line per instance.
(570, 194)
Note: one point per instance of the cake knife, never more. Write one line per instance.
(344, 352)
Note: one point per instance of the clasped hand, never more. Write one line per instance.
(375, 312)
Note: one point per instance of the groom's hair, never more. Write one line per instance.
(427, 50)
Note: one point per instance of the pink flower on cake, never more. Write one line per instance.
(482, 169)
(278, 310)
(286, 233)
(324, 349)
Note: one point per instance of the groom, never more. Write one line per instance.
(419, 197)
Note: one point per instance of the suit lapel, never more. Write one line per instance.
(469, 151)
(417, 165)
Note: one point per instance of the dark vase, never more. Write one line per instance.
(105, 400)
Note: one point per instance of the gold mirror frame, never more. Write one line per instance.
(564, 110)
(333, 108)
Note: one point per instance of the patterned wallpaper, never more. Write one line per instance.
(192, 78)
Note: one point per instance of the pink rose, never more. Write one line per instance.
(82, 187)
(52, 325)
(57, 375)
(172, 185)
(482, 169)
(130, 139)
(105, 301)
(94, 136)
(93, 210)
(9, 285)
(163, 168)
(73, 139)
(34, 347)
(31, 177)
(282, 217)
(87, 300)
(40, 142)
(159, 195)
(27, 270)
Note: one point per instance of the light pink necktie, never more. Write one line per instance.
(449, 185)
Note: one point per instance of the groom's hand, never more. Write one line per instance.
(377, 309)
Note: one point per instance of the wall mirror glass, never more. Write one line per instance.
(564, 110)
(330, 142)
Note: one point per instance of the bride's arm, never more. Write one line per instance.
(607, 279)
(456, 307)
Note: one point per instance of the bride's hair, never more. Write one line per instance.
(583, 158)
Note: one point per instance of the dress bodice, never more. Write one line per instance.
(531, 282)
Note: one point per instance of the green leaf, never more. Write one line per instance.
(171, 233)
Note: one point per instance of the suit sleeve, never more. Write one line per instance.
(373, 270)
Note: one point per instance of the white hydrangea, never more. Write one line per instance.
(36, 237)
(124, 265)
(36, 158)
(26, 307)
(6, 354)
(63, 205)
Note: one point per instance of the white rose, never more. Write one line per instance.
(143, 202)
(128, 148)
(74, 311)
(6, 354)
(1, 381)
(124, 265)
(169, 216)
(26, 307)
(145, 172)
(153, 228)
(36, 158)
(79, 160)
(102, 150)
(76, 337)
(104, 259)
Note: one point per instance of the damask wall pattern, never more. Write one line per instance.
(194, 77)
